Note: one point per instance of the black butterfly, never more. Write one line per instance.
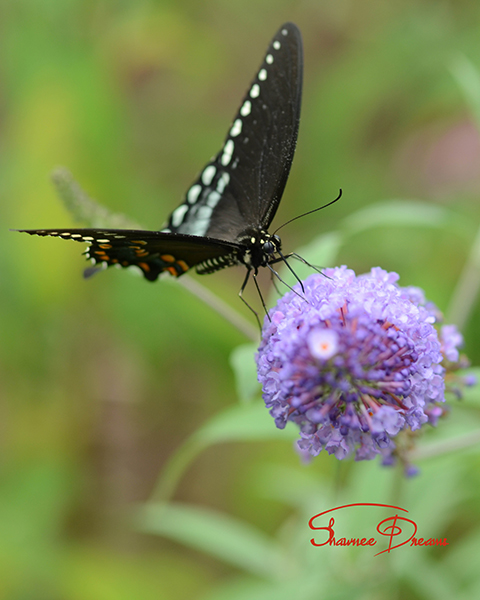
(224, 218)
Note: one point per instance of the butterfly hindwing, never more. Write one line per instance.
(241, 187)
(152, 251)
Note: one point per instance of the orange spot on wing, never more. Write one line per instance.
(168, 258)
(105, 246)
(183, 265)
(144, 266)
(172, 271)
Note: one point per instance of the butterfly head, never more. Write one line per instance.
(271, 245)
(260, 249)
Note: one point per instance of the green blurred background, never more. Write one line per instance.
(102, 380)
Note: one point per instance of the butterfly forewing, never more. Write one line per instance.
(240, 189)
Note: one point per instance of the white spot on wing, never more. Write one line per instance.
(246, 108)
(284, 31)
(269, 59)
(227, 153)
(204, 213)
(87, 238)
(193, 193)
(262, 75)
(213, 198)
(105, 241)
(223, 182)
(202, 221)
(178, 214)
(277, 45)
(236, 128)
(135, 270)
(208, 174)
(255, 91)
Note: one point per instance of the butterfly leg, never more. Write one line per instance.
(275, 285)
(240, 295)
(261, 297)
(283, 258)
(305, 262)
(277, 275)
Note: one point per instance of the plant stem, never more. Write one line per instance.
(446, 447)
(218, 305)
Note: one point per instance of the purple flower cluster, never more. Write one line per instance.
(353, 361)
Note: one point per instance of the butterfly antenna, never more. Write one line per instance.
(309, 212)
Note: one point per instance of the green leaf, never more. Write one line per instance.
(471, 394)
(242, 423)
(83, 208)
(305, 586)
(410, 213)
(243, 365)
(221, 536)
(322, 252)
(468, 79)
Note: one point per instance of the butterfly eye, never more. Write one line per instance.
(269, 247)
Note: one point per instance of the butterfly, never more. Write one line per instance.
(225, 215)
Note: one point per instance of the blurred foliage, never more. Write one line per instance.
(106, 384)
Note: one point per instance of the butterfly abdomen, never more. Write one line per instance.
(212, 265)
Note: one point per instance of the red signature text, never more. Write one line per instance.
(396, 530)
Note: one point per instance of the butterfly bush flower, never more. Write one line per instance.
(354, 361)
